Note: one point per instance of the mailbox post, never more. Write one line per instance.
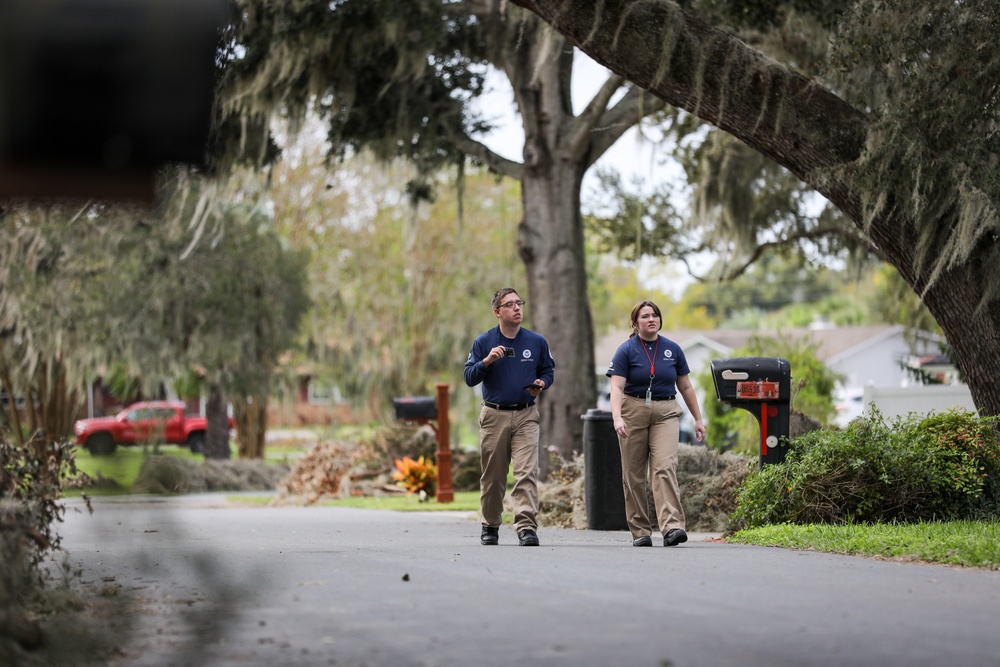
(762, 386)
(424, 410)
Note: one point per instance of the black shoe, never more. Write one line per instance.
(490, 535)
(527, 538)
(644, 541)
(674, 537)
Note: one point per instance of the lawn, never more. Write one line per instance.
(964, 543)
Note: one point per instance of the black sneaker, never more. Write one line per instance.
(490, 535)
(527, 538)
(674, 537)
(644, 541)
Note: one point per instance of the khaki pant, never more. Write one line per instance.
(506, 436)
(653, 433)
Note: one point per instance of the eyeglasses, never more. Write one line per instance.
(511, 304)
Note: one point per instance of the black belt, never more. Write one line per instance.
(510, 407)
(643, 397)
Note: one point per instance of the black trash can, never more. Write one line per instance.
(602, 473)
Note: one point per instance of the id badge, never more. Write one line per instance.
(649, 396)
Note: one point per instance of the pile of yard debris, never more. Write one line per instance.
(708, 480)
(164, 474)
(340, 469)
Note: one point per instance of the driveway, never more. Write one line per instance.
(204, 583)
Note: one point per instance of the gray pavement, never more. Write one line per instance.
(207, 584)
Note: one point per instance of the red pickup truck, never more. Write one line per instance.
(151, 421)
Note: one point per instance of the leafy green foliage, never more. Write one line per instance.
(925, 72)
(942, 467)
(236, 304)
(392, 82)
(770, 285)
(394, 310)
(812, 386)
(126, 289)
(31, 480)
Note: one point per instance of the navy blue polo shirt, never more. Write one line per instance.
(632, 361)
(503, 380)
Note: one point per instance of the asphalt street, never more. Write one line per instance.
(203, 583)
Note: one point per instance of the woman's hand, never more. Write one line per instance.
(621, 429)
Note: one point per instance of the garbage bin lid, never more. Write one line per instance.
(596, 414)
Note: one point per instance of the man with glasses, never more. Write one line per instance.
(514, 365)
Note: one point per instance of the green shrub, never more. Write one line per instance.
(914, 468)
(31, 485)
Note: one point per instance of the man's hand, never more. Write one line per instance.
(496, 353)
(536, 388)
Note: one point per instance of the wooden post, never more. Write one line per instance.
(445, 493)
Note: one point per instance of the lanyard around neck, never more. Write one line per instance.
(652, 360)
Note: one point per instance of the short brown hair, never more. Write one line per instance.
(500, 294)
(635, 314)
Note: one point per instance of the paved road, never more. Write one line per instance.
(212, 585)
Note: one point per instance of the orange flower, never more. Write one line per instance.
(414, 475)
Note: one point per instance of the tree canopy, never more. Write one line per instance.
(92, 288)
(400, 85)
(911, 164)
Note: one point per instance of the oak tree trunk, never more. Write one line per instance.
(250, 415)
(217, 431)
(550, 243)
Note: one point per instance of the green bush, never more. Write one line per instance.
(914, 468)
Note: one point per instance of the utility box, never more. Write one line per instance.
(604, 493)
(762, 386)
(415, 407)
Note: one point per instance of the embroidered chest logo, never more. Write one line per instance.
(526, 354)
(667, 354)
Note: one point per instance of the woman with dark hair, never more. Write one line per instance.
(647, 372)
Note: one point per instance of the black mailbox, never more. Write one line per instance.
(763, 386)
(415, 407)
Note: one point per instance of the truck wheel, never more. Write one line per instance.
(101, 444)
(196, 441)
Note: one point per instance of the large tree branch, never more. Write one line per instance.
(801, 126)
(817, 233)
(479, 152)
(592, 114)
(712, 74)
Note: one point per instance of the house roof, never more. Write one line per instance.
(832, 344)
